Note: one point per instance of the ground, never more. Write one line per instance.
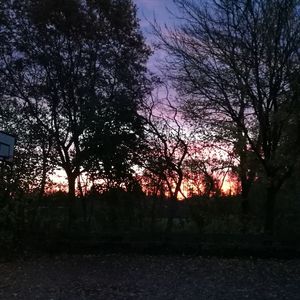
(118, 276)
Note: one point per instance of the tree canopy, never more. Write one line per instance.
(78, 68)
(236, 65)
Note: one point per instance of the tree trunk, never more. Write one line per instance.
(270, 210)
(71, 186)
(244, 193)
(83, 206)
(153, 213)
(245, 207)
(71, 196)
(41, 193)
(172, 212)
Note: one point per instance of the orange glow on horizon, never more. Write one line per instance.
(227, 186)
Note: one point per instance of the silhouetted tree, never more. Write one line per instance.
(237, 63)
(167, 148)
(32, 153)
(22, 181)
(78, 68)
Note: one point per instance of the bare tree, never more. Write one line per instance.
(207, 168)
(236, 65)
(167, 148)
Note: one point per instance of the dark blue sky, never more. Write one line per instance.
(160, 9)
(147, 9)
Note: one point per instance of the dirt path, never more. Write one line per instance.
(149, 277)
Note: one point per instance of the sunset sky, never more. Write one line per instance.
(147, 11)
(164, 12)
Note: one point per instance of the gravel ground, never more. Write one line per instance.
(149, 277)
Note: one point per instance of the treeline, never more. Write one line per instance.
(75, 90)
